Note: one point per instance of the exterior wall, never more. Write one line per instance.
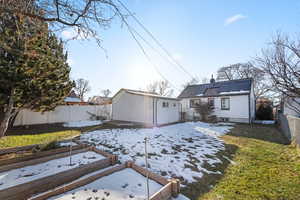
(287, 110)
(252, 104)
(167, 115)
(239, 108)
(62, 114)
(290, 126)
(134, 108)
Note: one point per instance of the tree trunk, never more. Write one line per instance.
(13, 119)
(7, 115)
(4, 126)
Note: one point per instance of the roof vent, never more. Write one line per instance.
(212, 80)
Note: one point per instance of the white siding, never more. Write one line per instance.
(166, 115)
(239, 108)
(62, 114)
(238, 112)
(134, 108)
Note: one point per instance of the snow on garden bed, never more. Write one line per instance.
(82, 123)
(33, 172)
(180, 150)
(66, 143)
(124, 184)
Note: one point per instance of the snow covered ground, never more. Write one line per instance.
(264, 121)
(33, 172)
(82, 123)
(125, 184)
(66, 144)
(180, 150)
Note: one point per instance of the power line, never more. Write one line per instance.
(156, 40)
(144, 52)
(148, 43)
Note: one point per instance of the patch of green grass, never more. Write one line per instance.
(261, 169)
(42, 138)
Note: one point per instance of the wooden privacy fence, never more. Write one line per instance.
(170, 187)
(25, 190)
(63, 114)
(290, 126)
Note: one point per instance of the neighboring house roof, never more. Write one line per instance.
(72, 99)
(144, 93)
(100, 100)
(222, 88)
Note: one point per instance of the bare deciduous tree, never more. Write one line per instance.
(204, 111)
(82, 87)
(281, 61)
(162, 88)
(82, 15)
(106, 92)
(247, 70)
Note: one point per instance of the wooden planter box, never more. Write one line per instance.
(170, 187)
(25, 190)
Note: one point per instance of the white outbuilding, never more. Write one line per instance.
(146, 108)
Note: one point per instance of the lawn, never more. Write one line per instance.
(41, 138)
(248, 163)
(262, 167)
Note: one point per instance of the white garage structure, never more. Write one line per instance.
(143, 107)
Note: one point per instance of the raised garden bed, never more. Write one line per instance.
(126, 181)
(22, 177)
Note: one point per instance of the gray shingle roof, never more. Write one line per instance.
(243, 85)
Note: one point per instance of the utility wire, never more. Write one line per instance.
(148, 43)
(144, 52)
(156, 40)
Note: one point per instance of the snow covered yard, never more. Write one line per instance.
(182, 150)
(33, 172)
(82, 123)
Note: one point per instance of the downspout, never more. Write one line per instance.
(156, 113)
(153, 111)
(249, 109)
(181, 115)
(112, 109)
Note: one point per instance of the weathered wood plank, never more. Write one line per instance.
(41, 154)
(24, 191)
(164, 193)
(78, 183)
(40, 160)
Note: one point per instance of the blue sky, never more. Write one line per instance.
(201, 35)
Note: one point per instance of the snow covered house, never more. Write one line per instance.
(231, 100)
(143, 107)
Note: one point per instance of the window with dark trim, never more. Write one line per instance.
(211, 102)
(195, 103)
(165, 104)
(225, 103)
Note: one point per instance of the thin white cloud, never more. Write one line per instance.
(234, 18)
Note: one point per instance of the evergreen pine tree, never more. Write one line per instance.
(34, 72)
